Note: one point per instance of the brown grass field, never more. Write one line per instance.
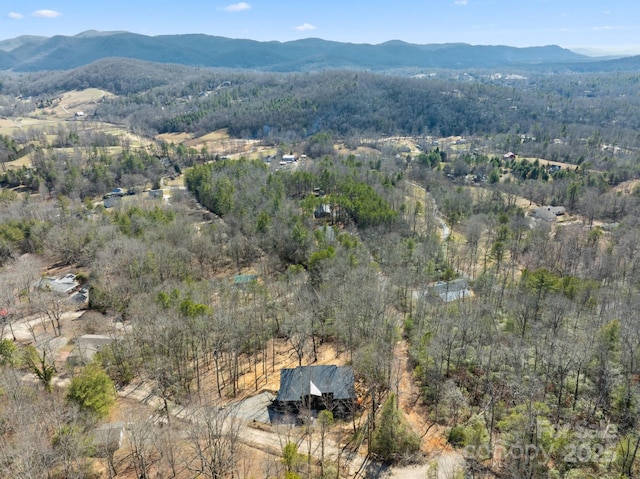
(75, 101)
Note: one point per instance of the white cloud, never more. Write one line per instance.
(305, 27)
(461, 3)
(15, 16)
(606, 27)
(46, 14)
(237, 7)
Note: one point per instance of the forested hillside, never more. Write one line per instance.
(29, 53)
(468, 244)
(558, 117)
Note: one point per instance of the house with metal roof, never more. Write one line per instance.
(452, 290)
(317, 388)
(65, 285)
(548, 213)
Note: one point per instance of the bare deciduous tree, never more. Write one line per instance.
(213, 437)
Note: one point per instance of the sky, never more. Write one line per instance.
(589, 26)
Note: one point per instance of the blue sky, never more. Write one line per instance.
(611, 26)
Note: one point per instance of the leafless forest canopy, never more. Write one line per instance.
(522, 189)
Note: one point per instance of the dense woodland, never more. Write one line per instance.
(562, 117)
(536, 375)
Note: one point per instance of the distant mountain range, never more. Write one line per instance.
(33, 53)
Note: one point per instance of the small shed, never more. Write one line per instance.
(317, 388)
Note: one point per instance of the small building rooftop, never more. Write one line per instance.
(295, 384)
(548, 213)
(245, 278)
(64, 285)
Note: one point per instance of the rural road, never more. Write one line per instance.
(22, 329)
(272, 438)
(446, 231)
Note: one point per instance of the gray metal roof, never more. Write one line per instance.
(295, 384)
(548, 213)
(452, 290)
(62, 285)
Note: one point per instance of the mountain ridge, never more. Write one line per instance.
(33, 53)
